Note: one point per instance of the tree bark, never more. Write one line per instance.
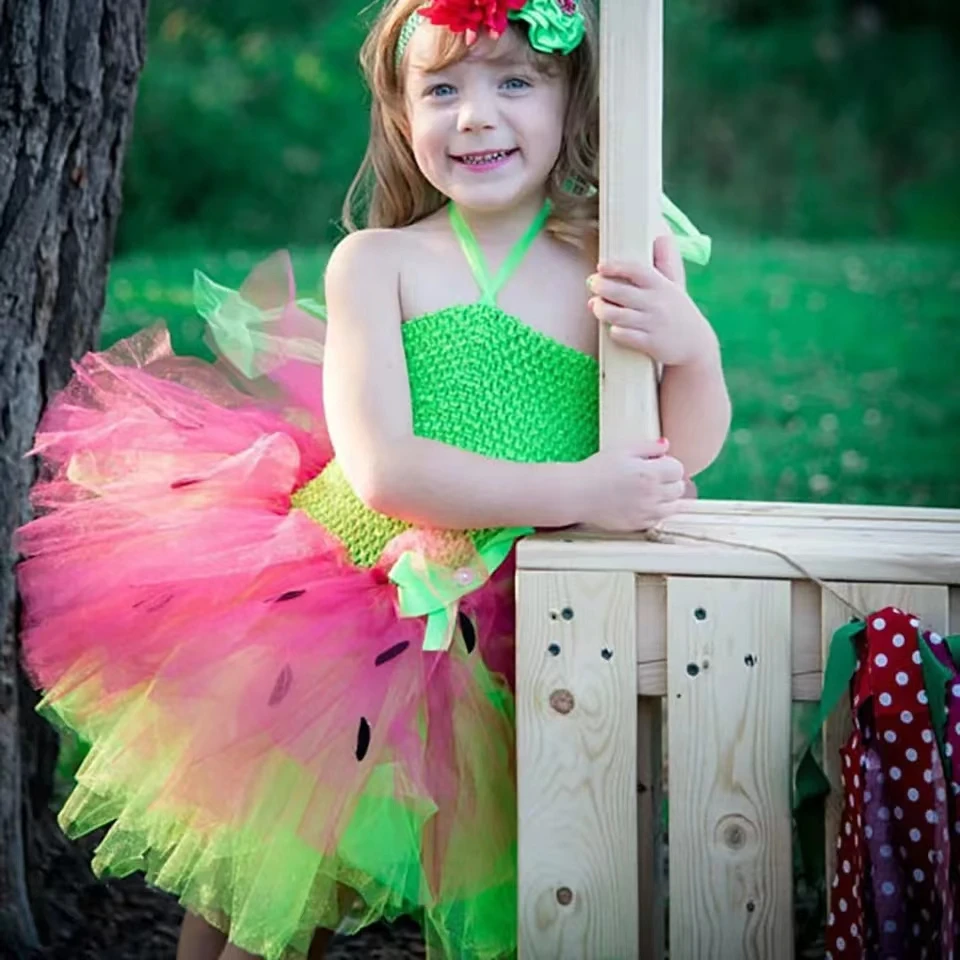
(68, 78)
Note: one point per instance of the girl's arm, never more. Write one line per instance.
(695, 409)
(367, 402)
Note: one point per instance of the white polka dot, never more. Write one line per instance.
(886, 851)
(911, 754)
(955, 787)
(868, 830)
(914, 622)
(916, 658)
(928, 776)
(841, 943)
(916, 929)
(831, 920)
(906, 717)
(836, 881)
(895, 773)
(867, 796)
(889, 736)
(847, 828)
(888, 888)
(922, 697)
(935, 638)
(902, 679)
(918, 875)
(879, 624)
(846, 866)
(898, 812)
(856, 781)
(948, 749)
(885, 699)
(915, 835)
(932, 816)
(956, 690)
(899, 640)
(884, 813)
(842, 905)
(846, 762)
(956, 729)
(890, 926)
(941, 794)
(913, 794)
(854, 930)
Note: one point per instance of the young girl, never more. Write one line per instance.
(295, 669)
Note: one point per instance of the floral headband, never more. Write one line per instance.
(555, 26)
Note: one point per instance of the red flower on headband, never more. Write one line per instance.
(472, 17)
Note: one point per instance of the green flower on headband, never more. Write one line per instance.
(556, 26)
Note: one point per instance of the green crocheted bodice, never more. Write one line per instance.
(481, 380)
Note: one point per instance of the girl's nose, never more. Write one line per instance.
(476, 113)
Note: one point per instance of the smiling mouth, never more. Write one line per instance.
(484, 158)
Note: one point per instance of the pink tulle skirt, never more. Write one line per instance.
(269, 739)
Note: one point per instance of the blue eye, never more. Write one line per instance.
(516, 83)
(441, 90)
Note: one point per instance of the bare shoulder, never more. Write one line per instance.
(363, 254)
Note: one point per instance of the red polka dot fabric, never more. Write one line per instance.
(897, 881)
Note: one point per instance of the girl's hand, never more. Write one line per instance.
(649, 309)
(631, 490)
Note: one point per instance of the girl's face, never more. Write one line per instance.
(486, 131)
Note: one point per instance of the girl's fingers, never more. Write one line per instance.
(632, 339)
(617, 316)
(621, 293)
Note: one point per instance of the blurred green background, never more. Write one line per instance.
(817, 141)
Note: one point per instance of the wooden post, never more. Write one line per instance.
(631, 136)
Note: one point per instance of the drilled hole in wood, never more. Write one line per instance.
(566, 613)
(700, 614)
(751, 906)
(554, 615)
(606, 653)
(750, 660)
(554, 649)
(692, 669)
(564, 896)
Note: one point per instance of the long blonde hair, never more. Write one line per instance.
(389, 189)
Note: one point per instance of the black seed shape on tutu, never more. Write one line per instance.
(188, 482)
(363, 738)
(390, 653)
(282, 686)
(289, 595)
(154, 603)
(468, 630)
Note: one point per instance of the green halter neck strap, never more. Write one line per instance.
(491, 286)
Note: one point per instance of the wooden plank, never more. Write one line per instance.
(823, 511)
(631, 121)
(729, 729)
(577, 766)
(930, 604)
(650, 852)
(887, 556)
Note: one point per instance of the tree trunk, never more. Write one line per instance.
(68, 78)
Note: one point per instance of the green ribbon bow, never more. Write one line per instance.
(433, 590)
(552, 28)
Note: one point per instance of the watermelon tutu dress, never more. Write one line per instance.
(299, 711)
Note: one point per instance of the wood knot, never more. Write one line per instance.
(562, 701)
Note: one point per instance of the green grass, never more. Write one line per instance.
(843, 361)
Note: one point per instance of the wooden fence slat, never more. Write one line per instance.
(577, 766)
(729, 728)
(930, 604)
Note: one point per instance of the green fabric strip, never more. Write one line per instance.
(490, 287)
